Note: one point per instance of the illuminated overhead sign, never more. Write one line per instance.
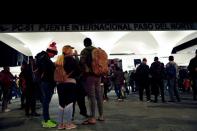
(96, 27)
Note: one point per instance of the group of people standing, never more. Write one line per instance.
(152, 79)
(81, 81)
(158, 77)
(37, 79)
(38, 73)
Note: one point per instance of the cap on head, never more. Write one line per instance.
(52, 48)
(67, 50)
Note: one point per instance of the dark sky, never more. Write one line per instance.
(98, 12)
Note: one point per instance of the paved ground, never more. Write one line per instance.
(130, 115)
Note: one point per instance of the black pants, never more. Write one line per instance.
(1, 91)
(30, 97)
(80, 99)
(194, 88)
(141, 91)
(23, 99)
(6, 97)
(156, 87)
(106, 89)
(131, 83)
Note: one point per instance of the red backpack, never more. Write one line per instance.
(99, 62)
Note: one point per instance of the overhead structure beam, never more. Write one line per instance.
(10, 57)
(184, 46)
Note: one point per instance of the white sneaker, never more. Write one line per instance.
(7, 110)
(148, 101)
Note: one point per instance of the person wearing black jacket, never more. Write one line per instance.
(47, 84)
(142, 80)
(81, 93)
(157, 73)
(192, 67)
(30, 94)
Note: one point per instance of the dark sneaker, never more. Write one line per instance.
(85, 115)
(35, 114)
(179, 100)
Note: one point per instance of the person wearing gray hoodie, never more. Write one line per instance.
(172, 73)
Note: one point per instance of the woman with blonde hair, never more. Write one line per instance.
(67, 88)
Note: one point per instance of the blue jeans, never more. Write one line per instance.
(47, 90)
(6, 97)
(173, 90)
(118, 90)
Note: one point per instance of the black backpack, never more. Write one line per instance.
(156, 70)
(37, 71)
(142, 71)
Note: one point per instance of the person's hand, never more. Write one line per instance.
(75, 52)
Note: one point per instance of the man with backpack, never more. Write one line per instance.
(92, 81)
(157, 73)
(45, 78)
(172, 73)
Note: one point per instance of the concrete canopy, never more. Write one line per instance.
(114, 42)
